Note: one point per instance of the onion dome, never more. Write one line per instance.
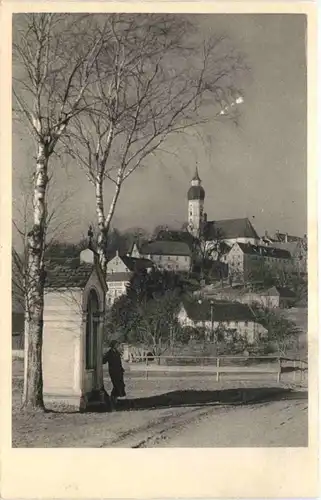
(196, 193)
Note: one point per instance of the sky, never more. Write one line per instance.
(257, 169)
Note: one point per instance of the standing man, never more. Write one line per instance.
(116, 372)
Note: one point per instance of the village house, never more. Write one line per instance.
(168, 255)
(299, 254)
(245, 260)
(213, 315)
(273, 297)
(297, 246)
(120, 270)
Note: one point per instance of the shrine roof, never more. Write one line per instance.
(69, 274)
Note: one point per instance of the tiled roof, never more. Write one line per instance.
(68, 274)
(283, 237)
(136, 264)
(229, 228)
(162, 247)
(293, 247)
(264, 251)
(222, 311)
(119, 276)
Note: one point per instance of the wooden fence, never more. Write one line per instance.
(220, 365)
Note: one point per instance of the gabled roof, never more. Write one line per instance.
(136, 264)
(264, 251)
(163, 247)
(63, 275)
(222, 311)
(71, 274)
(229, 228)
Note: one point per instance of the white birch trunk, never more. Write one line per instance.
(104, 223)
(101, 222)
(33, 382)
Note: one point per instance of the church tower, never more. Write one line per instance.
(195, 195)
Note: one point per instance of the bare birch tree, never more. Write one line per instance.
(53, 60)
(58, 221)
(151, 84)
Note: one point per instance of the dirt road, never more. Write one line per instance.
(273, 424)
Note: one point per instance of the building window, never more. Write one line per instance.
(246, 323)
(168, 258)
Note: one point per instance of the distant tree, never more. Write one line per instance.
(121, 318)
(160, 228)
(136, 234)
(265, 275)
(281, 333)
(207, 247)
(113, 243)
(147, 285)
(148, 312)
(156, 323)
(185, 334)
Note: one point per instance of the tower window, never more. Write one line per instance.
(191, 213)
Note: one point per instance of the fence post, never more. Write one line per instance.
(146, 370)
(217, 369)
(301, 370)
(278, 379)
(294, 370)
